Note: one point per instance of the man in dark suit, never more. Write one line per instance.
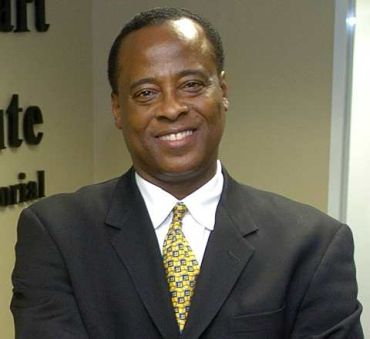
(99, 263)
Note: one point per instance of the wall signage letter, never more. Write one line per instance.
(21, 16)
(32, 117)
(23, 191)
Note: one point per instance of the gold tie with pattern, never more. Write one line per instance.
(181, 266)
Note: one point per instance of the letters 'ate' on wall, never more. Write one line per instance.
(11, 123)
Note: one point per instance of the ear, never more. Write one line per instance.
(224, 89)
(116, 109)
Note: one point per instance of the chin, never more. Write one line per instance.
(183, 173)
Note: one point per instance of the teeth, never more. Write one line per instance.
(176, 136)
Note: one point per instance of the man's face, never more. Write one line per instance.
(170, 103)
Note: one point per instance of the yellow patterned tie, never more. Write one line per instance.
(181, 266)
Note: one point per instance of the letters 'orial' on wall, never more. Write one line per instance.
(23, 191)
(21, 8)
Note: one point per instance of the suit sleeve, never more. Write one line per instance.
(330, 308)
(43, 302)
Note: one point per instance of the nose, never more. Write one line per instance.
(171, 107)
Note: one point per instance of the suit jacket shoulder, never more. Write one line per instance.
(96, 197)
(272, 211)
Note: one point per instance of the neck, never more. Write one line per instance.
(180, 186)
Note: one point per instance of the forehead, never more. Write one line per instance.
(173, 40)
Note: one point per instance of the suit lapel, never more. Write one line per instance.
(227, 254)
(136, 244)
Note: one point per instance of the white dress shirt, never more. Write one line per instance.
(198, 222)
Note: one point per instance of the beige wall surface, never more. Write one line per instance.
(51, 70)
(279, 69)
(358, 197)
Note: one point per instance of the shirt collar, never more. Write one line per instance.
(201, 204)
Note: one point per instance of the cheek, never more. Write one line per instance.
(214, 104)
(136, 132)
(215, 113)
(216, 121)
(135, 120)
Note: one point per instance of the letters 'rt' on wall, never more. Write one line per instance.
(21, 8)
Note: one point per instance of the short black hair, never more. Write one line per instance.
(157, 16)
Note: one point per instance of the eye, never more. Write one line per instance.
(145, 95)
(193, 86)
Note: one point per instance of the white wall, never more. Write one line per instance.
(358, 203)
(53, 71)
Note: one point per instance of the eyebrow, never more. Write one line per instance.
(181, 74)
(141, 81)
(187, 72)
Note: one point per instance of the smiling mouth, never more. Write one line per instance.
(176, 136)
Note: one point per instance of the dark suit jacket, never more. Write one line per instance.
(89, 266)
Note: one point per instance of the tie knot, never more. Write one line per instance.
(179, 211)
